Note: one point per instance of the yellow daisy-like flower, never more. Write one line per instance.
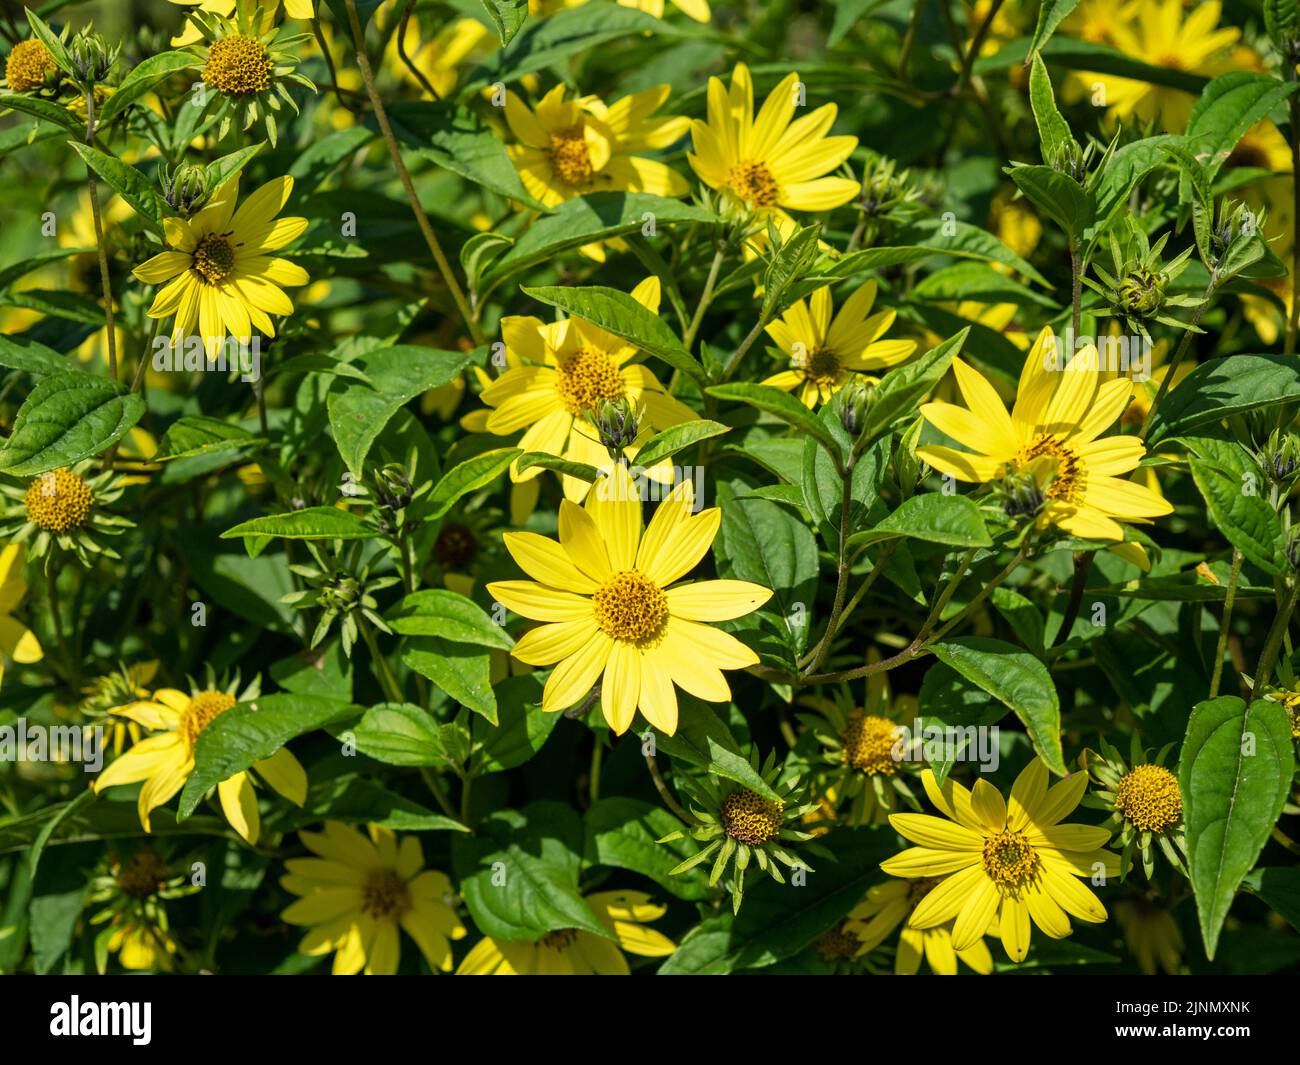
(1052, 437)
(222, 274)
(569, 148)
(560, 373)
(17, 642)
(575, 951)
(1156, 32)
(299, 9)
(1151, 935)
(607, 594)
(358, 892)
(1005, 861)
(826, 352)
(772, 162)
(888, 905)
(165, 761)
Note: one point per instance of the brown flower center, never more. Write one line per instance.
(28, 66)
(1009, 859)
(199, 714)
(213, 259)
(384, 895)
(58, 501)
(570, 157)
(822, 367)
(750, 818)
(238, 66)
(561, 940)
(630, 607)
(141, 875)
(1059, 471)
(839, 944)
(869, 744)
(1149, 798)
(587, 377)
(754, 183)
(456, 545)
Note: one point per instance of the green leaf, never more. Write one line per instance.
(902, 389)
(786, 265)
(127, 181)
(142, 78)
(1279, 886)
(666, 444)
(1056, 195)
(521, 732)
(1053, 131)
(68, 417)
(459, 141)
(1071, 54)
(1016, 679)
(1222, 387)
(31, 356)
(1232, 484)
(45, 110)
(461, 670)
(589, 219)
(438, 612)
(310, 523)
(249, 732)
(618, 313)
(949, 701)
(581, 470)
(703, 739)
(783, 405)
(1282, 20)
(397, 374)
(1234, 773)
(518, 873)
(469, 476)
(197, 434)
(219, 171)
(933, 516)
(400, 734)
(23, 267)
(963, 240)
(623, 833)
(508, 16)
(1051, 13)
(1228, 107)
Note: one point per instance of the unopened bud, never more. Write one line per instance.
(186, 188)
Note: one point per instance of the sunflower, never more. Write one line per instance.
(824, 352)
(557, 375)
(17, 642)
(575, 951)
(884, 908)
(165, 761)
(221, 274)
(249, 63)
(357, 892)
(1144, 801)
(64, 511)
(1151, 935)
(1050, 444)
(768, 163)
(1005, 861)
(136, 928)
(1156, 32)
(569, 148)
(607, 594)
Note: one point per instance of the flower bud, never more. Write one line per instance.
(617, 425)
(186, 188)
(91, 57)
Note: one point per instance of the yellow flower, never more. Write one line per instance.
(885, 907)
(140, 945)
(559, 373)
(299, 9)
(222, 275)
(575, 952)
(17, 642)
(165, 761)
(1151, 935)
(607, 594)
(1155, 32)
(825, 353)
(569, 148)
(358, 892)
(768, 162)
(1052, 436)
(1012, 862)
(28, 66)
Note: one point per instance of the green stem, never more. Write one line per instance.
(1183, 345)
(842, 567)
(421, 218)
(950, 589)
(706, 297)
(105, 282)
(1222, 645)
(438, 791)
(383, 672)
(734, 360)
(1264, 669)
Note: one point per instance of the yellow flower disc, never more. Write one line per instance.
(214, 259)
(629, 606)
(384, 895)
(28, 65)
(202, 709)
(1009, 859)
(58, 501)
(586, 378)
(238, 66)
(750, 818)
(869, 744)
(1149, 798)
